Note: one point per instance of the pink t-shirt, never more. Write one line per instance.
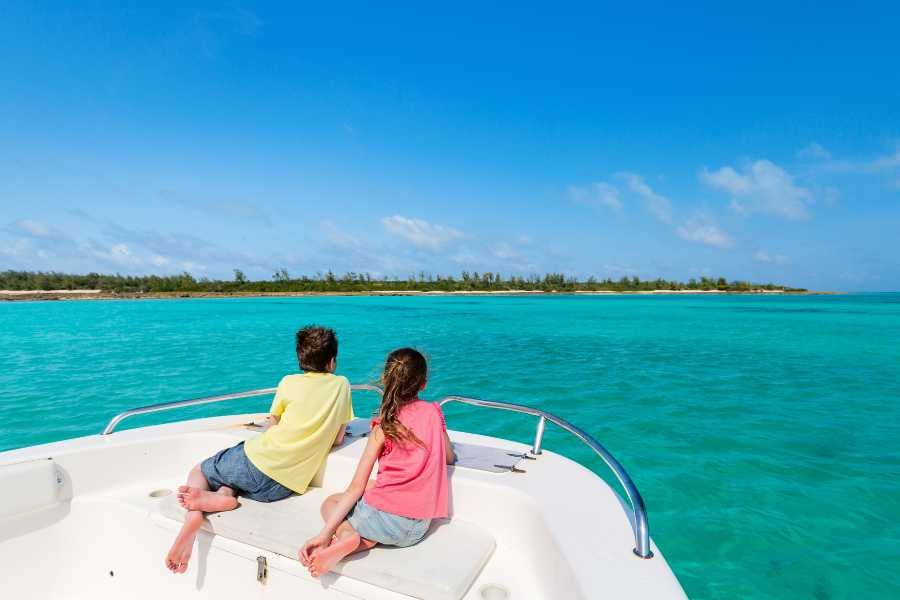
(412, 480)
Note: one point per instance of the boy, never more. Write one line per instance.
(308, 416)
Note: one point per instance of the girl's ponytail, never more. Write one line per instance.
(405, 373)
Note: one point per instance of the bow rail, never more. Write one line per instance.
(639, 524)
(153, 408)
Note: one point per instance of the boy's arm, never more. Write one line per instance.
(279, 403)
(350, 497)
(269, 421)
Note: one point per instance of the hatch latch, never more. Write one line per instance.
(262, 569)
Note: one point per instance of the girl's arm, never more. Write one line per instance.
(451, 455)
(349, 498)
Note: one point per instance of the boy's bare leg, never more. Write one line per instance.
(196, 495)
(346, 542)
(180, 552)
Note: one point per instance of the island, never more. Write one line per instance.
(39, 285)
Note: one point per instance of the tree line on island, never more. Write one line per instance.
(282, 281)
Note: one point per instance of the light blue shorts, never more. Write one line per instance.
(386, 528)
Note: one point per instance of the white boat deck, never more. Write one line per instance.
(559, 531)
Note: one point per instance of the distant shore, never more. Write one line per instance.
(20, 295)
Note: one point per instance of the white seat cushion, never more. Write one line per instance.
(440, 567)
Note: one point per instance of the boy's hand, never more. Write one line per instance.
(311, 546)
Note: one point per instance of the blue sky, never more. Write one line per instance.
(756, 143)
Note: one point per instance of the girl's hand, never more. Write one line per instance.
(311, 546)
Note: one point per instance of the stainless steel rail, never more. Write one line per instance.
(639, 525)
(143, 410)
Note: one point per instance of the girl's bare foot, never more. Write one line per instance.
(324, 559)
(193, 498)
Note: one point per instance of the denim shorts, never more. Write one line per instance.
(386, 528)
(233, 469)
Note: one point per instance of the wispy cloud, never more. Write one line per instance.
(421, 233)
(505, 251)
(338, 237)
(227, 208)
(764, 256)
(814, 151)
(33, 228)
(823, 161)
(597, 195)
(656, 204)
(211, 32)
(889, 161)
(761, 187)
(118, 254)
(111, 246)
(703, 230)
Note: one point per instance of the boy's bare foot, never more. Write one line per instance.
(180, 552)
(193, 498)
(325, 558)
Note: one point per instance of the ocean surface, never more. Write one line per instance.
(763, 432)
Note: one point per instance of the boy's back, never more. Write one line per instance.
(309, 412)
(311, 408)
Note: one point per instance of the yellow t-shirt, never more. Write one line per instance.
(312, 407)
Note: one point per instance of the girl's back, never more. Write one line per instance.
(412, 477)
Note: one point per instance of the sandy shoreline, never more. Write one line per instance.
(14, 295)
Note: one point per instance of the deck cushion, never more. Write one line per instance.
(441, 567)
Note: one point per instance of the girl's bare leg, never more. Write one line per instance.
(346, 542)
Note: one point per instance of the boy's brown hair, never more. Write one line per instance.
(316, 346)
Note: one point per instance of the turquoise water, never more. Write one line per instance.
(762, 432)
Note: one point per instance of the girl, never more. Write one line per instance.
(409, 440)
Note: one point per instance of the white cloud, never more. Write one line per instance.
(505, 251)
(814, 151)
(15, 248)
(119, 254)
(879, 164)
(620, 270)
(890, 161)
(220, 208)
(338, 237)
(775, 259)
(702, 230)
(598, 195)
(159, 260)
(465, 258)
(761, 187)
(33, 228)
(656, 204)
(420, 233)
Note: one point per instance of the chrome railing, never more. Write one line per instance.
(639, 524)
(153, 408)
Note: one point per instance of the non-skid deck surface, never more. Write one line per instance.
(440, 567)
